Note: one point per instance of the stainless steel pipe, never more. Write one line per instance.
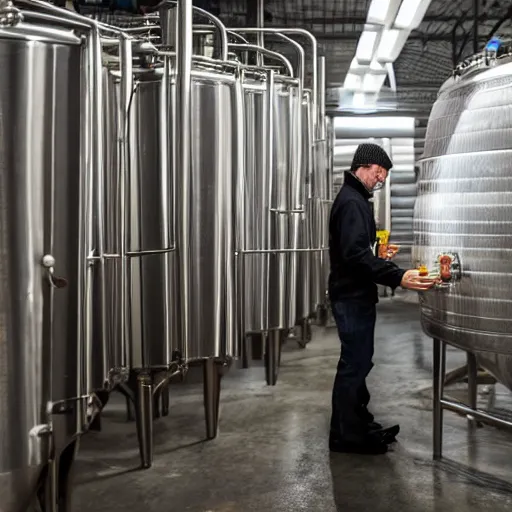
(183, 163)
(314, 57)
(255, 48)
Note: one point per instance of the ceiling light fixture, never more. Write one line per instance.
(411, 13)
(366, 46)
(382, 12)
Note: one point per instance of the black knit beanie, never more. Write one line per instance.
(368, 154)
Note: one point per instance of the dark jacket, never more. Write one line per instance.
(355, 270)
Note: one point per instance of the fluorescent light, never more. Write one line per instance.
(382, 12)
(366, 46)
(373, 83)
(391, 44)
(411, 13)
(353, 82)
(357, 68)
(377, 67)
(358, 99)
(401, 125)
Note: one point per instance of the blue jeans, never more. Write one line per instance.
(356, 328)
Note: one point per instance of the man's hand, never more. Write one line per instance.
(413, 281)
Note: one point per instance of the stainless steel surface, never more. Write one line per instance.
(463, 206)
(314, 57)
(144, 412)
(40, 222)
(260, 32)
(438, 371)
(205, 233)
(182, 161)
(260, 36)
(146, 236)
(322, 133)
(260, 50)
(212, 376)
(272, 356)
(285, 214)
(305, 235)
(253, 203)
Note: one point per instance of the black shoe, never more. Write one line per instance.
(388, 435)
(368, 418)
(370, 445)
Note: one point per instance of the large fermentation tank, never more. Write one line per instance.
(253, 205)
(321, 184)
(142, 220)
(40, 224)
(205, 234)
(285, 206)
(464, 207)
(305, 257)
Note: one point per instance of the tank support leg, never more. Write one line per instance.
(211, 395)
(472, 387)
(144, 408)
(258, 341)
(157, 396)
(165, 399)
(305, 332)
(129, 416)
(439, 369)
(272, 356)
(57, 485)
(246, 352)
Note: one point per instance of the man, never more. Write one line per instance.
(355, 273)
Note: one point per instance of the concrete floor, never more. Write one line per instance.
(271, 453)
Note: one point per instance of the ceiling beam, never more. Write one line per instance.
(354, 35)
(359, 20)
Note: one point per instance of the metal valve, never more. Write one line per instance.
(48, 262)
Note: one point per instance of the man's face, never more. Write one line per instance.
(373, 175)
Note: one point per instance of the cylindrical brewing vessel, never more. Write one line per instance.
(207, 301)
(252, 205)
(464, 207)
(40, 232)
(305, 257)
(148, 216)
(320, 207)
(285, 210)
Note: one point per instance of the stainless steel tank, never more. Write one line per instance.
(464, 208)
(150, 329)
(305, 256)
(205, 234)
(252, 207)
(40, 226)
(285, 206)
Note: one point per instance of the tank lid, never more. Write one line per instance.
(495, 53)
(39, 33)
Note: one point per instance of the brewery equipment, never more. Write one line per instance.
(462, 226)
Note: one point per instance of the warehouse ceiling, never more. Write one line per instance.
(428, 56)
